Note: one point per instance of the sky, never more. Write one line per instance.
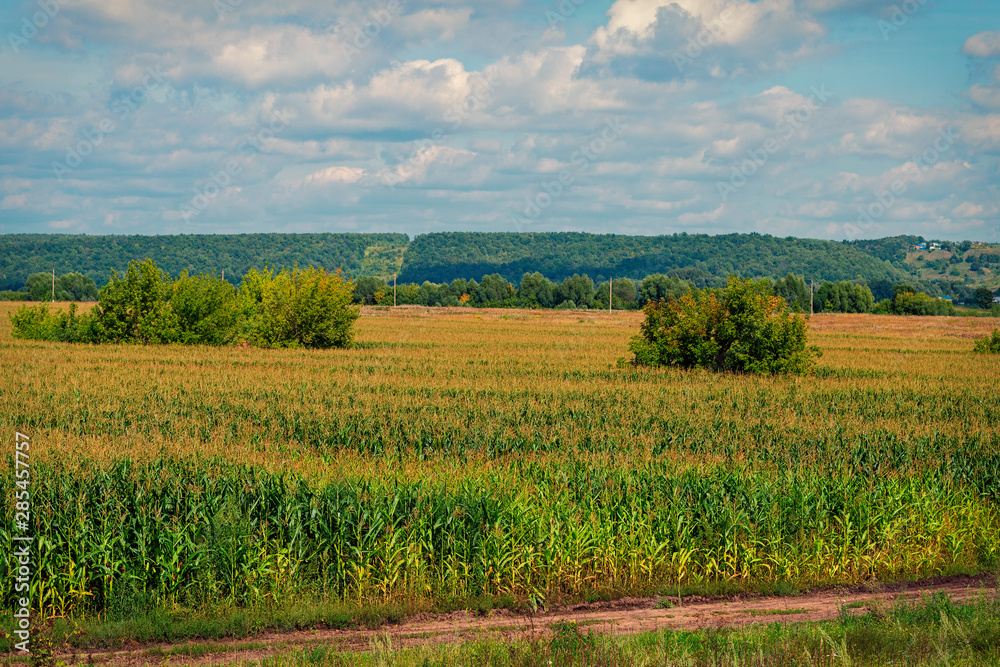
(838, 119)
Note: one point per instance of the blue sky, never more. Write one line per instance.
(814, 118)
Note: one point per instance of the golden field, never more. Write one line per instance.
(504, 453)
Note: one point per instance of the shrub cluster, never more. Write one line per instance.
(907, 301)
(989, 344)
(742, 328)
(297, 308)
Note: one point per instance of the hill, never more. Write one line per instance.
(96, 256)
(442, 257)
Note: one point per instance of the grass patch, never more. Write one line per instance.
(778, 612)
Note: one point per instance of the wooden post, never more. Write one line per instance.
(53, 284)
(812, 296)
(611, 283)
(394, 291)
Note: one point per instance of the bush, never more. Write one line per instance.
(135, 308)
(743, 328)
(989, 344)
(37, 323)
(206, 309)
(310, 308)
(299, 308)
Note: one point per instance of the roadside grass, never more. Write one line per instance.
(778, 612)
(931, 631)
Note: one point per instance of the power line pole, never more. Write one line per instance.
(53, 284)
(393, 291)
(611, 282)
(812, 296)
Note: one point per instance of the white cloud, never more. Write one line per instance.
(336, 174)
(983, 45)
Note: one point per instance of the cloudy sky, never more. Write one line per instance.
(817, 118)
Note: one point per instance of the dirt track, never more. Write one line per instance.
(627, 616)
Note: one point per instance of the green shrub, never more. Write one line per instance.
(298, 308)
(743, 328)
(135, 307)
(37, 323)
(206, 309)
(907, 301)
(989, 344)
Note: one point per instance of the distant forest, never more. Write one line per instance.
(235, 254)
(704, 261)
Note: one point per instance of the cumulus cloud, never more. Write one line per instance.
(666, 39)
(455, 112)
(983, 45)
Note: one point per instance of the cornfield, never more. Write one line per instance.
(500, 454)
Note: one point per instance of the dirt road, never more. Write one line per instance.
(625, 616)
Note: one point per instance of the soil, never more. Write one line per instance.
(620, 617)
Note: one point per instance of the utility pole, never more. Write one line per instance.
(53, 284)
(812, 296)
(611, 283)
(394, 291)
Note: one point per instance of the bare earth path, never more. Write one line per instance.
(626, 616)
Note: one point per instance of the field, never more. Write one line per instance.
(496, 457)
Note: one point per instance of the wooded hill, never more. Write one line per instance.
(705, 260)
(96, 256)
(442, 257)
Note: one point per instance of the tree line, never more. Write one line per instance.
(580, 291)
(445, 256)
(228, 255)
(27, 260)
(576, 291)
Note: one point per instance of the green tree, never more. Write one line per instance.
(536, 291)
(298, 308)
(135, 308)
(76, 287)
(206, 309)
(794, 291)
(742, 328)
(365, 289)
(658, 287)
(623, 292)
(984, 298)
(493, 291)
(578, 289)
(40, 286)
(845, 297)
